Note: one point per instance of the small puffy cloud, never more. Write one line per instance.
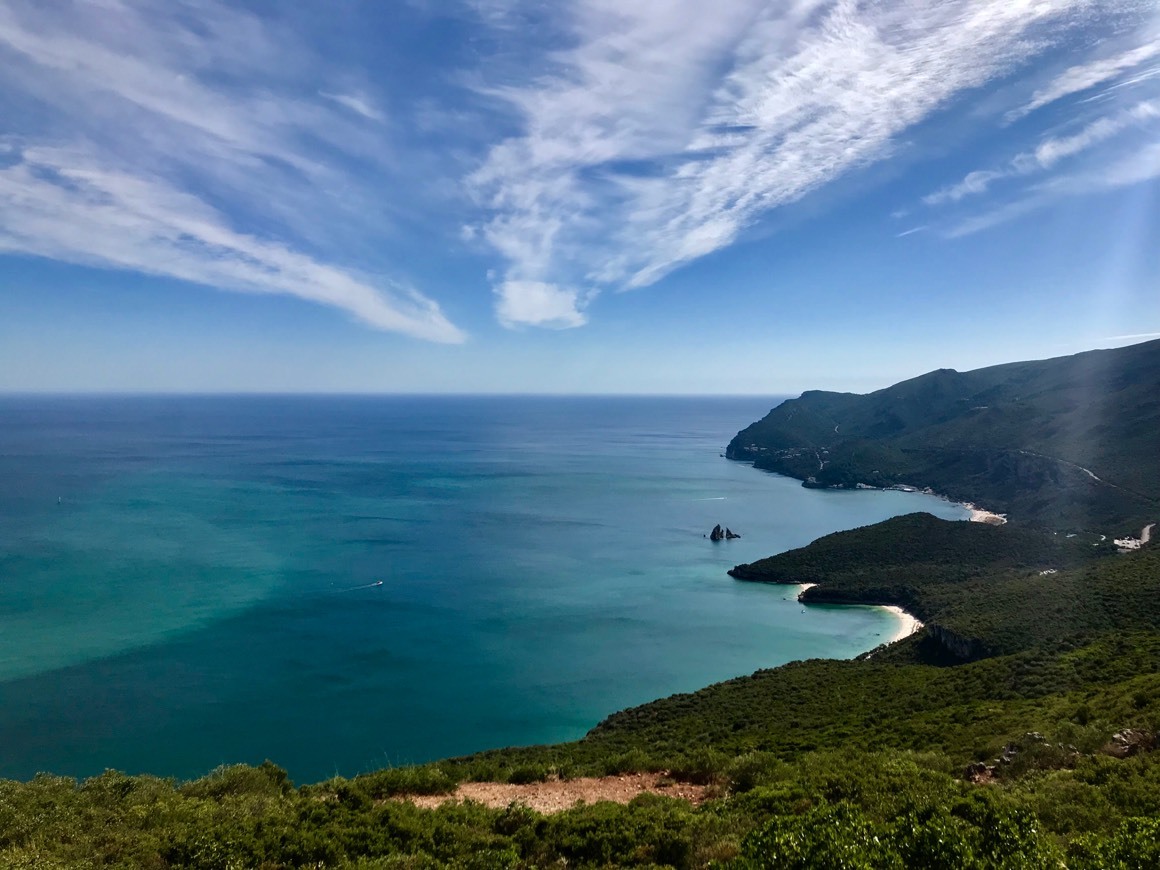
(536, 303)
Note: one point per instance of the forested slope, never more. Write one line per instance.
(1068, 443)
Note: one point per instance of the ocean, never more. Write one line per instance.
(343, 583)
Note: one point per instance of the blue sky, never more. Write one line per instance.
(593, 196)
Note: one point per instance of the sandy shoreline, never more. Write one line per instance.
(978, 515)
(907, 624)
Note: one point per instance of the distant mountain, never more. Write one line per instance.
(1071, 442)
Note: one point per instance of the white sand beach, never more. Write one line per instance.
(907, 624)
(979, 515)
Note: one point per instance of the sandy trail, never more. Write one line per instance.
(556, 795)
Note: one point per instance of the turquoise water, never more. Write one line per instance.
(201, 592)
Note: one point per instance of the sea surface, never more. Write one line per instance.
(192, 581)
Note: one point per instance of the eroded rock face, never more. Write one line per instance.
(716, 534)
(730, 534)
(963, 648)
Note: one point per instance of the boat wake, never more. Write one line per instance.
(363, 586)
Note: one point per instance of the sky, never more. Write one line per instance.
(507, 196)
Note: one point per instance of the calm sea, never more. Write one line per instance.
(192, 581)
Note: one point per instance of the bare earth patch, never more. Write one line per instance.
(556, 795)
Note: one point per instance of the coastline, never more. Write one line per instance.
(908, 624)
(981, 515)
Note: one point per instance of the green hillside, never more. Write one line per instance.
(981, 589)
(1067, 443)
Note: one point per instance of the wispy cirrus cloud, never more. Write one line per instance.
(1048, 153)
(72, 208)
(1134, 166)
(188, 140)
(910, 232)
(664, 129)
(1084, 76)
(1134, 337)
(356, 103)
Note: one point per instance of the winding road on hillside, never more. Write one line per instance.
(1070, 464)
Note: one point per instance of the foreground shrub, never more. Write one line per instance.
(1135, 846)
(971, 836)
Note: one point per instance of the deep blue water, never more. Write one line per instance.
(200, 592)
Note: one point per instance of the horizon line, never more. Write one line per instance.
(85, 394)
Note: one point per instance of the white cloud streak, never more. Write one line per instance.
(1133, 337)
(1084, 76)
(357, 104)
(671, 126)
(911, 231)
(72, 209)
(1048, 153)
(158, 124)
(1138, 165)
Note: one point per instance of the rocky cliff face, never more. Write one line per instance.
(964, 649)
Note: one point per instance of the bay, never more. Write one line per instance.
(191, 581)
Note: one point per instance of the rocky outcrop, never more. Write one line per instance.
(720, 534)
(1129, 742)
(965, 649)
(979, 773)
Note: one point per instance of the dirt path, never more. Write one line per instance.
(556, 795)
(1146, 533)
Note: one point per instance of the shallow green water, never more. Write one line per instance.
(200, 593)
